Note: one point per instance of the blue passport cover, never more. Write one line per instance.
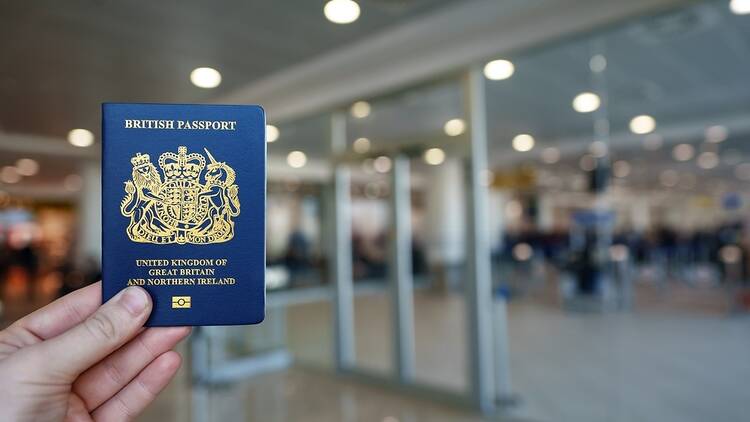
(183, 203)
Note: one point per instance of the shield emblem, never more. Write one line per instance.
(181, 202)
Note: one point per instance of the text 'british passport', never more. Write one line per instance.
(183, 203)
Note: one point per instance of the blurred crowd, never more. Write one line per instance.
(33, 272)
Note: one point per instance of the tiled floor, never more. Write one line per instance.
(678, 357)
(310, 396)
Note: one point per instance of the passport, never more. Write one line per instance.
(183, 210)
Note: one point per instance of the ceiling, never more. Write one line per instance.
(679, 67)
(54, 170)
(688, 68)
(61, 59)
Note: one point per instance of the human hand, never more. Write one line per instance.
(76, 361)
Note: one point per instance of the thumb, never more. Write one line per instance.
(111, 326)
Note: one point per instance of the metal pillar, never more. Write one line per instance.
(90, 213)
(199, 345)
(341, 249)
(402, 282)
(503, 389)
(478, 290)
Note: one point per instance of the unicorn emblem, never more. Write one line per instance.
(221, 194)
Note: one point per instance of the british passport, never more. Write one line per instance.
(183, 203)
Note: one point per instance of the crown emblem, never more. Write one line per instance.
(140, 160)
(182, 166)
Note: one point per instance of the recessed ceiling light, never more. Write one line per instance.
(382, 164)
(740, 7)
(205, 77)
(9, 175)
(619, 252)
(27, 167)
(642, 124)
(272, 133)
(716, 134)
(80, 138)
(586, 102)
(361, 145)
(523, 252)
(683, 152)
(730, 254)
(434, 156)
(550, 155)
(454, 127)
(360, 109)
(341, 11)
(621, 168)
(296, 159)
(498, 70)
(598, 63)
(708, 160)
(523, 142)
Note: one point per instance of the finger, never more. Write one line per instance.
(77, 411)
(139, 393)
(109, 376)
(64, 313)
(51, 320)
(111, 326)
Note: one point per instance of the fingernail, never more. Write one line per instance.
(135, 300)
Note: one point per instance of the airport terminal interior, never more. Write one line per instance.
(518, 210)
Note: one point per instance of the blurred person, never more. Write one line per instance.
(70, 279)
(4, 260)
(359, 256)
(298, 256)
(79, 360)
(27, 258)
(379, 255)
(418, 258)
(92, 271)
(74, 276)
(586, 266)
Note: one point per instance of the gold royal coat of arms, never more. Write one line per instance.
(188, 207)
